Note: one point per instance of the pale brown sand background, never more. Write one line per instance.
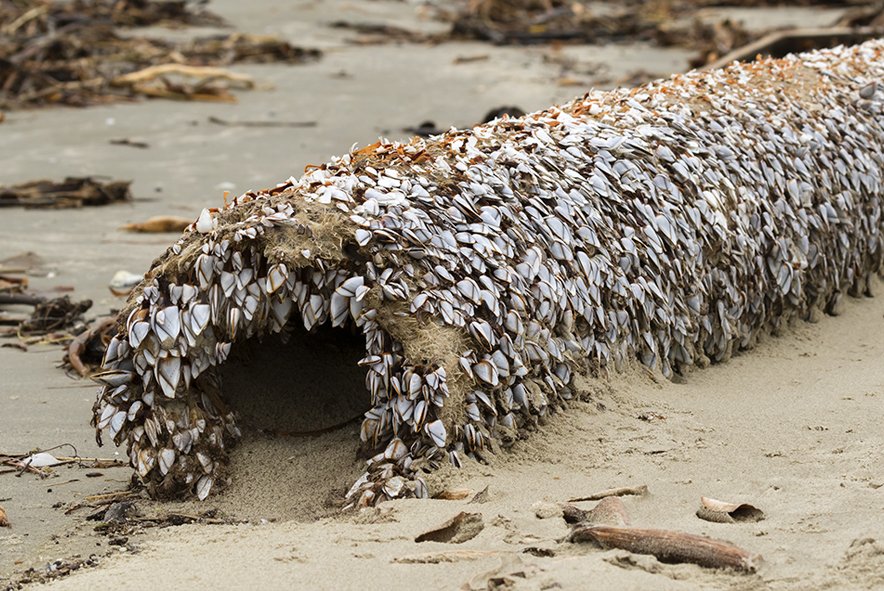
(793, 427)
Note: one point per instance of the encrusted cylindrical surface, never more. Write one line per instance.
(483, 268)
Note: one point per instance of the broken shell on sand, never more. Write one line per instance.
(724, 512)
(451, 288)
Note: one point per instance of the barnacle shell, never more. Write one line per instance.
(673, 223)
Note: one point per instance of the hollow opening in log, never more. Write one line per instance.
(308, 384)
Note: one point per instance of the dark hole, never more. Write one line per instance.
(310, 384)
(747, 513)
(351, 251)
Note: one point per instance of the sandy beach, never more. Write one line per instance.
(792, 427)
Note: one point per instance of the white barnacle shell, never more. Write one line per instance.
(166, 323)
(486, 372)
(199, 316)
(204, 487)
(107, 411)
(395, 450)
(116, 422)
(277, 275)
(113, 378)
(137, 332)
(205, 269)
(436, 431)
(168, 375)
(166, 460)
(205, 223)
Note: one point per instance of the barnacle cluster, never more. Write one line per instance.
(673, 223)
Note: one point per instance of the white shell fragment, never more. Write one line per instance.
(123, 282)
(725, 512)
(40, 460)
(674, 224)
(204, 223)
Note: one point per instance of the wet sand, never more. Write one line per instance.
(792, 427)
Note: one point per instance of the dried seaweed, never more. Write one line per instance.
(59, 321)
(54, 315)
(53, 52)
(39, 16)
(71, 192)
(661, 22)
(53, 321)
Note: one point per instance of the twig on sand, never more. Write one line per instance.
(102, 499)
(227, 123)
(22, 462)
(97, 463)
(112, 497)
(622, 491)
(131, 143)
(794, 40)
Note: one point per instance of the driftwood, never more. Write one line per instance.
(622, 491)
(782, 43)
(668, 546)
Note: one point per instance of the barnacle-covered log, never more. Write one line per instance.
(481, 269)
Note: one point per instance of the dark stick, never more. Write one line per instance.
(12, 299)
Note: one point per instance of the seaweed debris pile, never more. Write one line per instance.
(78, 53)
(665, 23)
(71, 192)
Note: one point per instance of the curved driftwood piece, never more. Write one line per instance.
(780, 43)
(669, 546)
(450, 288)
